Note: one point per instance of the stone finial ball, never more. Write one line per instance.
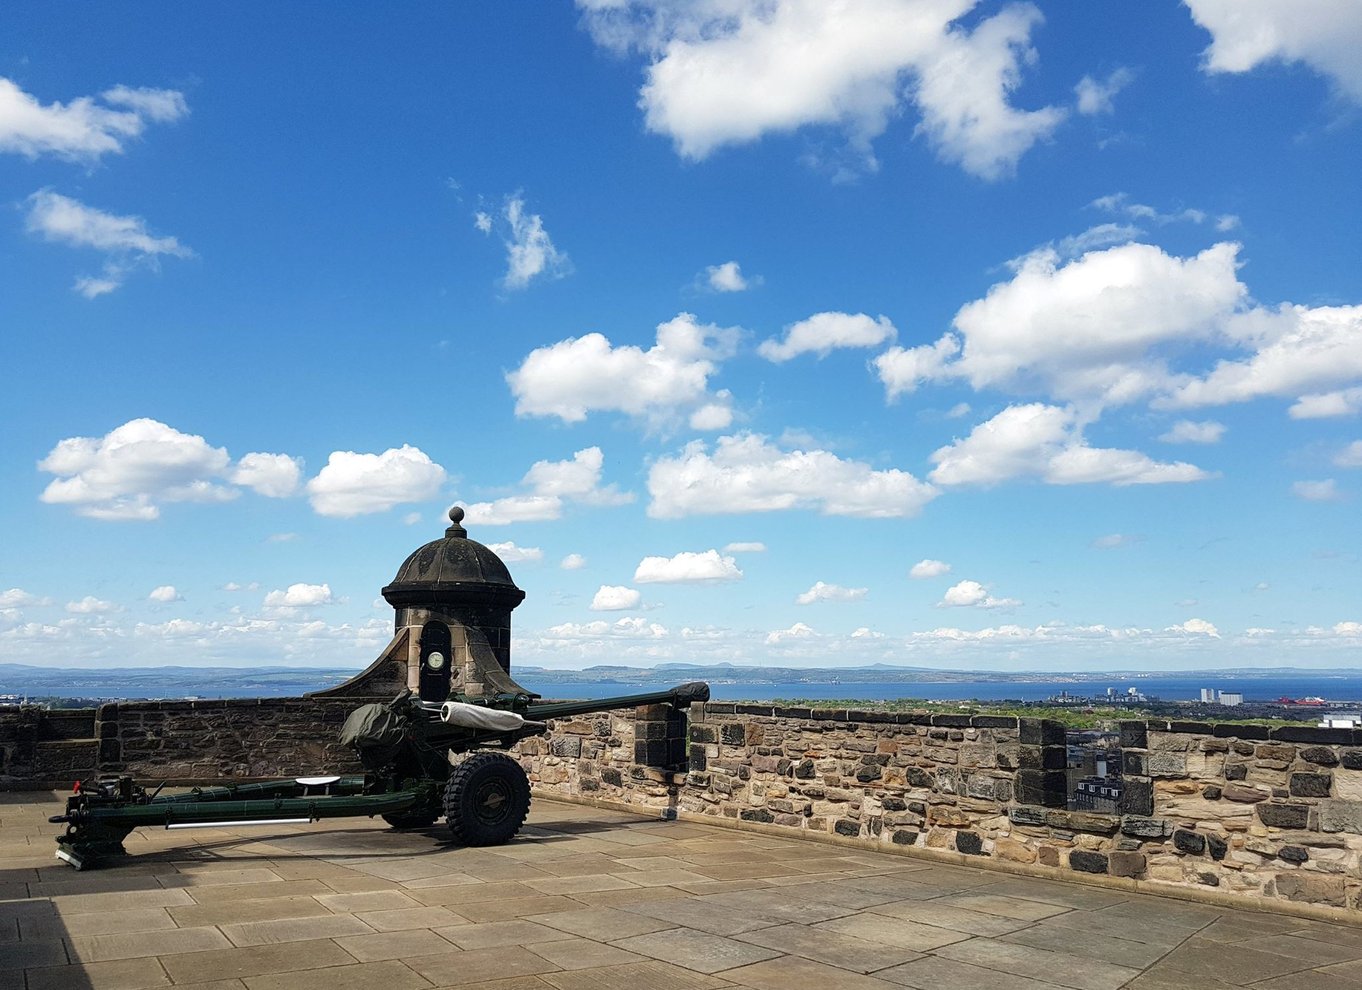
(456, 515)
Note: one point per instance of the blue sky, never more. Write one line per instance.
(932, 332)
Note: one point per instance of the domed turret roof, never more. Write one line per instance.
(453, 569)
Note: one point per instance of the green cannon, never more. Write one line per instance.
(422, 760)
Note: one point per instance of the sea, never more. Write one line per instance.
(1303, 684)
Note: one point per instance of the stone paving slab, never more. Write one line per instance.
(594, 899)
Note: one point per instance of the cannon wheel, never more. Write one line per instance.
(486, 799)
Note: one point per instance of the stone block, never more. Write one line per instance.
(1137, 798)
(1320, 755)
(1241, 731)
(1083, 821)
(756, 815)
(1044, 787)
(1352, 759)
(1043, 757)
(969, 843)
(1311, 784)
(1244, 794)
(993, 721)
(1167, 764)
(1311, 888)
(1211, 792)
(1133, 763)
(1087, 862)
(1012, 850)
(1216, 846)
(1339, 816)
(1026, 815)
(845, 826)
(1312, 734)
(1146, 828)
(1283, 815)
(904, 837)
(733, 734)
(1189, 842)
(1191, 728)
(1293, 854)
(1126, 863)
(1040, 732)
(1236, 771)
(1134, 735)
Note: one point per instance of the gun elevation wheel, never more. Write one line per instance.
(486, 799)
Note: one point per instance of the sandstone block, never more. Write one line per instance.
(1311, 888)
(1011, 849)
(1126, 864)
(1339, 816)
(1244, 793)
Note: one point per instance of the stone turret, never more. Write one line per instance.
(452, 629)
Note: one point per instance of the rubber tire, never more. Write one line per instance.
(486, 799)
(413, 817)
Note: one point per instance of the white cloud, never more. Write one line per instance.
(513, 554)
(626, 628)
(729, 71)
(687, 566)
(1186, 431)
(165, 593)
(281, 538)
(300, 596)
(865, 632)
(615, 598)
(823, 592)
(127, 473)
(125, 240)
(717, 415)
(728, 277)
(1295, 350)
(928, 568)
(1046, 442)
(1317, 491)
(271, 475)
(354, 484)
(752, 547)
(1114, 541)
(411, 519)
(747, 473)
(972, 594)
(586, 374)
(1095, 96)
(903, 369)
(1122, 203)
(958, 410)
(573, 562)
(530, 251)
(1324, 34)
(82, 130)
(1345, 402)
(515, 509)
(798, 631)
(19, 598)
(823, 332)
(90, 605)
(1350, 456)
(1196, 627)
(578, 479)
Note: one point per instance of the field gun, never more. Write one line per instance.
(423, 760)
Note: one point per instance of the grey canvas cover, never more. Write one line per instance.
(376, 731)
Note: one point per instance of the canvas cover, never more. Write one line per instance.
(477, 717)
(373, 727)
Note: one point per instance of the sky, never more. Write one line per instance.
(941, 333)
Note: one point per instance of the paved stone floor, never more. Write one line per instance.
(586, 899)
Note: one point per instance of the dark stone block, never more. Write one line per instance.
(829, 714)
(1236, 771)
(1026, 815)
(1241, 731)
(913, 718)
(1040, 732)
(845, 826)
(698, 760)
(803, 770)
(799, 713)
(1134, 735)
(759, 710)
(1293, 854)
(1136, 764)
(1217, 847)
(969, 843)
(951, 721)
(1319, 755)
(894, 804)
(1083, 821)
(1087, 862)
(733, 734)
(865, 774)
(917, 777)
(1043, 787)
(1352, 759)
(1292, 816)
(1311, 784)
(719, 707)
(1127, 863)
(1208, 878)
(757, 815)
(875, 718)
(1137, 798)
(612, 776)
(1191, 728)
(1313, 734)
(1189, 842)
(1144, 828)
(903, 837)
(993, 721)
(1211, 792)
(703, 734)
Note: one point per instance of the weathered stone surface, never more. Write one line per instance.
(1216, 846)
(1294, 854)
(1087, 862)
(1146, 828)
(1311, 784)
(1311, 888)
(1339, 816)
(1352, 759)
(1320, 755)
(1126, 863)
(1211, 792)
(1189, 842)
(1244, 793)
(969, 843)
(1167, 764)
(904, 837)
(1276, 815)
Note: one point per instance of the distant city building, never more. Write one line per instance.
(1231, 698)
(1349, 721)
(1097, 794)
(1208, 696)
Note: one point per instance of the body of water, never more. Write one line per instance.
(1172, 688)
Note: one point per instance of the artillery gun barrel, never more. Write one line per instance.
(681, 696)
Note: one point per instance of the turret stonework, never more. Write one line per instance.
(452, 629)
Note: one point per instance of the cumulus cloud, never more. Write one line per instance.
(530, 251)
(130, 471)
(615, 598)
(729, 71)
(600, 630)
(587, 374)
(164, 594)
(903, 369)
(300, 596)
(1095, 95)
(354, 484)
(1323, 405)
(728, 277)
(19, 598)
(824, 592)
(515, 509)
(85, 129)
(271, 475)
(1323, 34)
(748, 473)
(90, 605)
(551, 485)
(1196, 627)
(1046, 442)
(824, 332)
(716, 415)
(513, 554)
(752, 547)
(1350, 456)
(1317, 491)
(929, 568)
(972, 594)
(124, 240)
(798, 631)
(573, 562)
(687, 567)
(1186, 431)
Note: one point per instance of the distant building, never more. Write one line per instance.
(1097, 794)
(1231, 698)
(1350, 721)
(1208, 696)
